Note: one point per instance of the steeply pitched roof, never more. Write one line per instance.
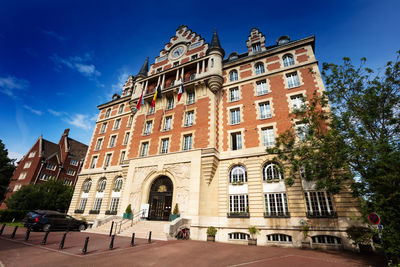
(145, 68)
(215, 44)
(77, 149)
(49, 148)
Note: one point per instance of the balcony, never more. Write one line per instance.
(317, 214)
(238, 215)
(276, 214)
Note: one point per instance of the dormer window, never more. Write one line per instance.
(194, 57)
(159, 70)
(256, 47)
(108, 113)
(233, 76)
(176, 63)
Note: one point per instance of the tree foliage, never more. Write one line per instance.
(6, 170)
(51, 195)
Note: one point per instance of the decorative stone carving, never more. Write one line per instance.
(215, 83)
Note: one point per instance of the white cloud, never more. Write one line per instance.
(35, 111)
(15, 155)
(78, 64)
(82, 121)
(53, 34)
(56, 113)
(10, 84)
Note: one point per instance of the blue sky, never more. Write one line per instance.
(60, 59)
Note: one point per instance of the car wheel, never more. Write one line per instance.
(46, 227)
(82, 227)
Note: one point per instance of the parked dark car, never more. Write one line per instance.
(48, 220)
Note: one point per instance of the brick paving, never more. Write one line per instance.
(18, 252)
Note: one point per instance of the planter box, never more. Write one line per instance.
(94, 211)
(277, 215)
(111, 212)
(238, 215)
(333, 214)
(78, 211)
(173, 216)
(252, 242)
(211, 238)
(127, 216)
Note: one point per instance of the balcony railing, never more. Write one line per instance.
(238, 215)
(276, 214)
(317, 214)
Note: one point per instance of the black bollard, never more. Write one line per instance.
(112, 226)
(45, 238)
(62, 241)
(2, 229)
(28, 232)
(133, 240)
(149, 237)
(112, 242)
(84, 250)
(13, 233)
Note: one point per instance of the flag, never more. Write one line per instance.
(180, 92)
(157, 94)
(141, 101)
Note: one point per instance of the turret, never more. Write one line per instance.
(216, 54)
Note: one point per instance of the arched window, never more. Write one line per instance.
(288, 60)
(271, 172)
(259, 68)
(282, 238)
(238, 236)
(87, 185)
(108, 112)
(102, 185)
(238, 174)
(121, 109)
(212, 63)
(326, 239)
(233, 76)
(118, 184)
(116, 194)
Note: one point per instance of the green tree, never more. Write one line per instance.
(52, 195)
(7, 168)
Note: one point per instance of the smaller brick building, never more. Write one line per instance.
(47, 160)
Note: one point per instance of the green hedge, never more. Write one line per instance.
(9, 215)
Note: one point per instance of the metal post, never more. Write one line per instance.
(28, 231)
(112, 242)
(133, 240)
(84, 250)
(62, 241)
(13, 233)
(45, 238)
(149, 237)
(112, 226)
(2, 229)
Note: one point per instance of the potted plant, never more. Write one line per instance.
(211, 232)
(253, 233)
(305, 228)
(175, 213)
(128, 213)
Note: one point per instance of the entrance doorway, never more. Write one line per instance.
(160, 199)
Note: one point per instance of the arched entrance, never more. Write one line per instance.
(160, 199)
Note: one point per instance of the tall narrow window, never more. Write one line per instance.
(148, 126)
(130, 121)
(187, 142)
(238, 203)
(122, 158)
(235, 116)
(170, 102)
(233, 76)
(107, 160)
(103, 128)
(167, 123)
(117, 124)
(189, 120)
(113, 141)
(288, 60)
(302, 131)
(236, 141)
(151, 110)
(98, 144)
(262, 87)
(292, 80)
(268, 136)
(126, 139)
(234, 94)
(190, 97)
(265, 110)
(319, 204)
(121, 109)
(296, 102)
(259, 68)
(108, 113)
(94, 162)
(276, 205)
(256, 47)
(164, 146)
(145, 149)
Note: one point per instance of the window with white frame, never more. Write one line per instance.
(272, 172)
(236, 140)
(94, 162)
(194, 57)
(67, 182)
(256, 47)
(98, 144)
(159, 70)
(238, 236)
(17, 187)
(234, 94)
(86, 186)
(167, 123)
(326, 239)
(145, 149)
(74, 162)
(170, 103)
(114, 204)
(151, 110)
(46, 177)
(102, 185)
(281, 238)
(189, 118)
(71, 172)
(288, 60)
(296, 102)
(262, 87)
(103, 128)
(319, 204)
(107, 160)
(108, 113)
(117, 124)
(97, 203)
(122, 158)
(130, 120)
(22, 175)
(259, 68)
(235, 116)
(190, 97)
(238, 174)
(121, 109)
(147, 128)
(276, 204)
(113, 140)
(268, 136)
(301, 131)
(238, 203)
(82, 203)
(51, 166)
(265, 110)
(233, 76)
(32, 154)
(164, 146)
(118, 184)
(292, 80)
(126, 138)
(27, 164)
(187, 142)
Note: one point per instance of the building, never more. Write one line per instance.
(47, 160)
(207, 151)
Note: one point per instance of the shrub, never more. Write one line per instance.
(9, 215)
(211, 231)
(128, 209)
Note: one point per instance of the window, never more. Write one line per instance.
(326, 239)
(234, 94)
(98, 144)
(288, 60)
(27, 164)
(107, 160)
(67, 182)
(319, 204)
(272, 172)
(117, 123)
(51, 166)
(259, 68)
(82, 203)
(268, 136)
(235, 116)
(296, 102)
(194, 57)
(256, 47)
(172, 83)
(22, 175)
(212, 63)
(170, 103)
(279, 238)
(159, 70)
(238, 203)
(145, 149)
(122, 158)
(167, 123)
(151, 110)
(190, 97)
(189, 119)
(114, 204)
(164, 146)
(94, 162)
(130, 121)
(176, 63)
(233, 76)
(103, 128)
(192, 76)
(262, 87)
(302, 131)
(126, 139)
(102, 185)
(113, 140)
(292, 80)
(238, 236)
(118, 184)
(32, 154)
(148, 126)
(97, 203)
(74, 162)
(265, 110)
(121, 109)
(87, 185)
(71, 172)
(238, 174)
(108, 113)
(17, 187)
(187, 142)
(46, 177)
(276, 205)
(236, 141)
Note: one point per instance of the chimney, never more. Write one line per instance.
(66, 132)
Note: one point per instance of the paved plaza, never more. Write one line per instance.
(18, 252)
